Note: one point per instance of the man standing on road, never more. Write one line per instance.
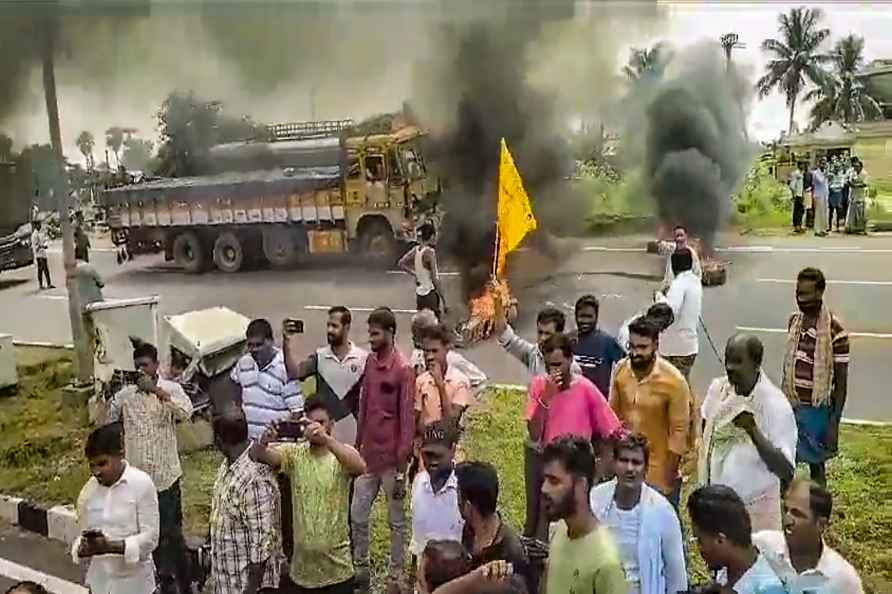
(797, 188)
(651, 397)
(799, 555)
(856, 221)
(386, 427)
(149, 412)
(320, 469)
(595, 351)
(425, 319)
(680, 242)
(117, 515)
(245, 541)
(562, 403)
(81, 239)
(816, 373)
(821, 195)
(749, 435)
(582, 555)
(724, 537)
(40, 241)
(644, 525)
(337, 368)
(421, 263)
(267, 393)
(679, 342)
(837, 185)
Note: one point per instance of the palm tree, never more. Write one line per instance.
(85, 142)
(797, 56)
(647, 63)
(824, 100)
(114, 139)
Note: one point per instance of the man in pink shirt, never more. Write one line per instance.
(561, 403)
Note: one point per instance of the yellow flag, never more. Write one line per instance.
(515, 216)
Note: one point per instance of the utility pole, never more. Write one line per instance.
(81, 343)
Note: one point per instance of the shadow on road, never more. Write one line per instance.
(9, 283)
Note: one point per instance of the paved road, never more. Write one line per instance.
(759, 295)
(27, 556)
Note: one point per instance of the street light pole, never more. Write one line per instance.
(81, 345)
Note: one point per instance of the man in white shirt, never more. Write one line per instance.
(149, 412)
(797, 188)
(39, 243)
(421, 322)
(799, 554)
(679, 343)
(337, 368)
(749, 435)
(117, 514)
(643, 523)
(268, 395)
(667, 248)
(421, 263)
(723, 532)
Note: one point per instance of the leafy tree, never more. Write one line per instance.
(843, 96)
(114, 140)
(797, 58)
(647, 63)
(85, 143)
(137, 153)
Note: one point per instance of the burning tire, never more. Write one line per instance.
(229, 253)
(189, 252)
(280, 247)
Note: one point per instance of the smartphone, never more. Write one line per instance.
(294, 326)
(291, 430)
(92, 533)
(129, 378)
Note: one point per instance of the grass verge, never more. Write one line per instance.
(41, 458)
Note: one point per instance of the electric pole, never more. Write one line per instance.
(84, 356)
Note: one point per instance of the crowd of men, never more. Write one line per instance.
(838, 195)
(613, 429)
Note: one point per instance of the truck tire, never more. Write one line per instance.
(229, 253)
(280, 247)
(189, 252)
(377, 243)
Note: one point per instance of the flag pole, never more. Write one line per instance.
(495, 259)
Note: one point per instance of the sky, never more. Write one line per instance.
(686, 23)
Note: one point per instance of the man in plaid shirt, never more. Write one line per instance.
(245, 542)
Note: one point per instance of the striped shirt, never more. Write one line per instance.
(244, 525)
(804, 366)
(267, 395)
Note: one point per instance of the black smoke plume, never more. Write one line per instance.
(697, 151)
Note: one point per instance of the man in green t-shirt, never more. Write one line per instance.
(582, 557)
(320, 469)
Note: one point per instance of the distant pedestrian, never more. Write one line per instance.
(245, 540)
(582, 554)
(117, 515)
(81, 239)
(149, 412)
(749, 435)
(337, 368)
(836, 198)
(40, 241)
(724, 536)
(384, 439)
(596, 351)
(821, 194)
(421, 263)
(797, 189)
(815, 373)
(680, 241)
(856, 221)
(799, 555)
(679, 343)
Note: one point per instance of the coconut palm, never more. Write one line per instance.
(114, 139)
(647, 63)
(85, 142)
(797, 58)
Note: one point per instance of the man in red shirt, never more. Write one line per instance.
(385, 428)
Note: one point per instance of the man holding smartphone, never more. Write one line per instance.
(149, 412)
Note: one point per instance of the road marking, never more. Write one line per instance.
(604, 248)
(804, 250)
(55, 297)
(444, 273)
(877, 335)
(792, 281)
(20, 573)
(92, 250)
(362, 309)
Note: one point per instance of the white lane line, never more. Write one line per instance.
(20, 573)
(878, 335)
(444, 273)
(792, 281)
(92, 250)
(804, 250)
(362, 309)
(604, 248)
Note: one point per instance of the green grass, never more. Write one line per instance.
(41, 458)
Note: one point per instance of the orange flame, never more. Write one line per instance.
(484, 308)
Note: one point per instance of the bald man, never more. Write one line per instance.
(749, 433)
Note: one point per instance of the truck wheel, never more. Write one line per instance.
(279, 247)
(377, 243)
(189, 252)
(229, 254)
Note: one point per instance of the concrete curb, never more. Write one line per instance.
(58, 523)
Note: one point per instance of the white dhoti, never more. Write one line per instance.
(822, 214)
